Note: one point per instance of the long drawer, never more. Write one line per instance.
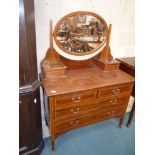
(88, 118)
(114, 90)
(90, 106)
(74, 98)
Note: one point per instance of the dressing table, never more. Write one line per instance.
(81, 81)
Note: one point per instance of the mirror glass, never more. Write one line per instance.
(80, 33)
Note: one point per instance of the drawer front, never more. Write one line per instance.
(114, 90)
(90, 106)
(74, 98)
(88, 118)
(112, 67)
(114, 102)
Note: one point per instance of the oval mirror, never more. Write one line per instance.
(80, 33)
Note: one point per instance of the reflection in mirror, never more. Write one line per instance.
(81, 33)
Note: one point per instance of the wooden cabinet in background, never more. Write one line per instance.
(27, 43)
(30, 126)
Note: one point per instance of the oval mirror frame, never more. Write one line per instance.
(76, 55)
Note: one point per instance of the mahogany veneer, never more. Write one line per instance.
(84, 97)
(106, 65)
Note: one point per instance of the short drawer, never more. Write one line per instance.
(90, 106)
(74, 98)
(114, 90)
(112, 67)
(112, 103)
(88, 118)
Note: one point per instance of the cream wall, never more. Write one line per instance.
(120, 13)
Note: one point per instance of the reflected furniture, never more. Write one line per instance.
(82, 87)
(30, 124)
(128, 65)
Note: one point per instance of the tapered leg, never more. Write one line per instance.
(121, 122)
(52, 130)
(53, 145)
(131, 115)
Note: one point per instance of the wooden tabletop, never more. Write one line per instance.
(129, 61)
(84, 79)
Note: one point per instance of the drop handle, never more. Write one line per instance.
(74, 123)
(75, 110)
(114, 102)
(116, 91)
(76, 99)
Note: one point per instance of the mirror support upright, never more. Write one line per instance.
(105, 59)
(106, 53)
(51, 65)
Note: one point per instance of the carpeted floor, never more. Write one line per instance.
(104, 138)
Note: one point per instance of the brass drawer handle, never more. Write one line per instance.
(75, 110)
(74, 123)
(116, 91)
(76, 99)
(114, 102)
